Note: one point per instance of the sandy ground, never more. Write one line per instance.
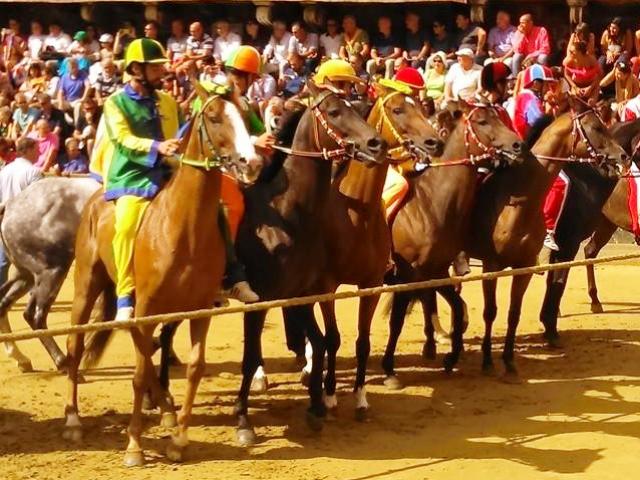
(576, 415)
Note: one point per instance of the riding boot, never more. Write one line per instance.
(235, 279)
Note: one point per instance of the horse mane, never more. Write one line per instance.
(535, 132)
(284, 137)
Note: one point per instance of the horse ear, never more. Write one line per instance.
(314, 90)
(446, 123)
(429, 106)
(200, 90)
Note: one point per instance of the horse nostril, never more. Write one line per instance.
(432, 142)
(517, 146)
(374, 144)
(624, 157)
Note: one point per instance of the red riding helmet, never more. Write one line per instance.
(410, 77)
(493, 73)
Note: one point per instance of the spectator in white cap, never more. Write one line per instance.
(463, 79)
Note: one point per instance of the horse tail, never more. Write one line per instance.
(97, 342)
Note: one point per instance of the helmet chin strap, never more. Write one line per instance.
(144, 81)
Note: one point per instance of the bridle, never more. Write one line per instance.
(204, 135)
(346, 149)
(406, 149)
(579, 134)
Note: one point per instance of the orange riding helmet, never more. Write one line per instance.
(245, 59)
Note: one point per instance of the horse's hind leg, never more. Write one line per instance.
(489, 315)
(195, 370)
(317, 410)
(363, 349)
(396, 322)
(332, 339)
(10, 292)
(599, 239)
(43, 295)
(429, 310)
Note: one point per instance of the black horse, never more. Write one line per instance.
(580, 217)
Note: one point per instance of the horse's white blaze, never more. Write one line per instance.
(308, 354)
(330, 401)
(181, 440)
(361, 398)
(409, 100)
(242, 140)
(73, 421)
(259, 375)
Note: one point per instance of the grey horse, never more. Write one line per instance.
(38, 229)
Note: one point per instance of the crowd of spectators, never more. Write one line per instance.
(53, 84)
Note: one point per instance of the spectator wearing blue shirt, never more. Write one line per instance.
(74, 87)
(385, 48)
(24, 116)
(416, 42)
(73, 161)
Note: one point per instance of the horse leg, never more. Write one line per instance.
(195, 370)
(332, 339)
(363, 348)
(142, 340)
(458, 312)
(12, 291)
(489, 315)
(317, 410)
(429, 307)
(44, 293)
(519, 286)
(253, 326)
(399, 306)
(599, 239)
(166, 348)
(89, 283)
(294, 330)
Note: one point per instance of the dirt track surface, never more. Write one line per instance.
(577, 414)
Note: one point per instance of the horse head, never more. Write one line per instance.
(218, 135)
(337, 124)
(592, 140)
(401, 121)
(487, 136)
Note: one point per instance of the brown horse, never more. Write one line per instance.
(281, 239)
(179, 263)
(507, 223)
(358, 241)
(430, 229)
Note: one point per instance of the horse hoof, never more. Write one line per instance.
(304, 378)
(72, 434)
(553, 341)
(246, 437)
(260, 385)
(362, 415)
(169, 420)
(448, 363)
(25, 367)
(392, 382)
(597, 308)
(315, 422)
(133, 459)
(429, 352)
(512, 378)
(175, 453)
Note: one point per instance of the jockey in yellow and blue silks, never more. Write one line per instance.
(138, 126)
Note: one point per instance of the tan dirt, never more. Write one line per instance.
(575, 416)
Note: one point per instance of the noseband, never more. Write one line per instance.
(406, 149)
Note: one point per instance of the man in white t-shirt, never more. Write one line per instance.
(331, 41)
(304, 44)
(463, 79)
(276, 51)
(14, 178)
(57, 40)
(226, 41)
(35, 42)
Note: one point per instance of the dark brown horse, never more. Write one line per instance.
(507, 224)
(358, 241)
(281, 239)
(587, 194)
(178, 261)
(430, 229)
